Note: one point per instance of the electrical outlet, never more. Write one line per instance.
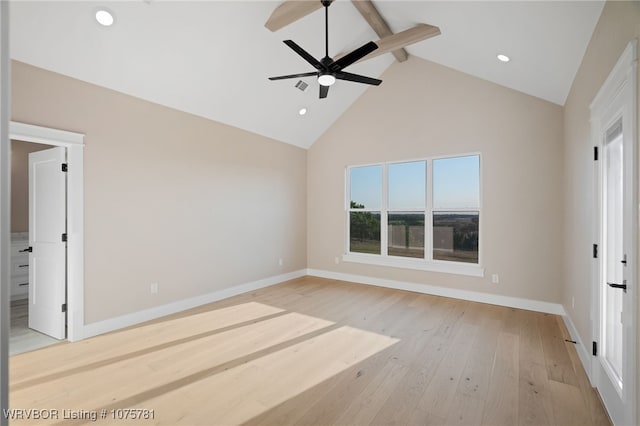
(153, 288)
(280, 262)
(495, 278)
(337, 260)
(573, 302)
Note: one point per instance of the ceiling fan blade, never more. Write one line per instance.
(304, 74)
(354, 56)
(357, 78)
(305, 55)
(324, 91)
(370, 14)
(290, 11)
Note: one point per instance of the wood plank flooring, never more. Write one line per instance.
(317, 352)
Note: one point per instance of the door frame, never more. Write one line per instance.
(74, 143)
(621, 84)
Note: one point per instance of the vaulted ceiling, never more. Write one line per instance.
(212, 58)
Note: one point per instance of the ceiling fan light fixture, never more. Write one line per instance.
(326, 79)
(302, 111)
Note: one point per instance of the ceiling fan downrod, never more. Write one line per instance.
(326, 4)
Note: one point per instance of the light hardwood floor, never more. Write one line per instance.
(316, 351)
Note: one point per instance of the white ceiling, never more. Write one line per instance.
(212, 58)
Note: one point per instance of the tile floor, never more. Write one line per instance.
(22, 338)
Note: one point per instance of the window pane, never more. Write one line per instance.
(455, 237)
(364, 231)
(407, 185)
(366, 187)
(456, 182)
(406, 234)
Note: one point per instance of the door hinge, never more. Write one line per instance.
(64, 307)
(595, 251)
(64, 237)
(595, 153)
(65, 167)
(594, 350)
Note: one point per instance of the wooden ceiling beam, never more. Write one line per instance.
(403, 38)
(379, 25)
(290, 11)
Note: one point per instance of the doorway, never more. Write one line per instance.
(614, 293)
(74, 145)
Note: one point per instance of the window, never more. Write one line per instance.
(456, 208)
(405, 220)
(422, 214)
(365, 207)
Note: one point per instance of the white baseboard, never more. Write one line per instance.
(473, 296)
(111, 324)
(583, 353)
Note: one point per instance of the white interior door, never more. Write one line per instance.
(47, 224)
(612, 289)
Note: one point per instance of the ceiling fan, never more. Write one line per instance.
(327, 69)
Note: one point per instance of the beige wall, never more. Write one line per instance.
(192, 204)
(618, 24)
(424, 109)
(20, 183)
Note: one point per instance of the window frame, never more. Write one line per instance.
(427, 263)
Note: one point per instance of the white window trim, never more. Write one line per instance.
(425, 264)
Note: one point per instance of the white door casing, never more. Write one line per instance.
(614, 310)
(47, 241)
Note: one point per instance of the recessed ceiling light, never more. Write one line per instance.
(302, 111)
(104, 17)
(503, 58)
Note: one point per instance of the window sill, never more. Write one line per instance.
(417, 264)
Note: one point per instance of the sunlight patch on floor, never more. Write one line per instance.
(157, 372)
(66, 357)
(225, 366)
(239, 394)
